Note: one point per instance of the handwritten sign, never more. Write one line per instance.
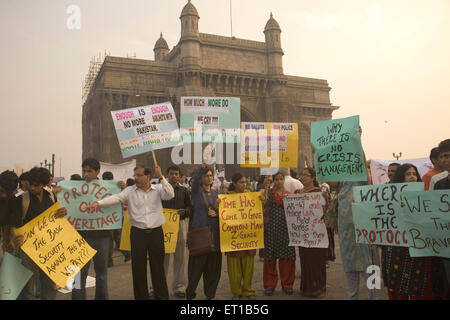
(146, 128)
(304, 214)
(210, 119)
(77, 195)
(266, 144)
(171, 228)
(55, 246)
(13, 277)
(426, 215)
(338, 152)
(241, 222)
(375, 213)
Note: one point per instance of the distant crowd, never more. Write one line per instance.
(24, 197)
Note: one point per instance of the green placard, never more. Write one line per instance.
(13, 277)
(376, 213)
(76, 195)
(338, 154)
(426, 216)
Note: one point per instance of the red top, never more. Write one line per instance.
(427, 177)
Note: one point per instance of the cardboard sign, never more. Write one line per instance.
(55, 246)
(146, 128)
(77, 195)
(171, 228)
(338, 152)
(241, 222)
(376, 213)
(269, 145)
(304, 214)
(13, 277)
(426, 215)
(210, 119)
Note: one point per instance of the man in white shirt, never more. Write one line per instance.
(146, 217)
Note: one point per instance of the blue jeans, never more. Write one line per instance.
(101, 244)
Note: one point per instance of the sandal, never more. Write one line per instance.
(288, 290)
(269, 291)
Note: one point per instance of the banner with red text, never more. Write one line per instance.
(146, 128)
(241, 222)
(77, 195)
(304, 214)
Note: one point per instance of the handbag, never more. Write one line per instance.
(200, 241)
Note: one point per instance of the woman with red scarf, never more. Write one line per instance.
(276, 241)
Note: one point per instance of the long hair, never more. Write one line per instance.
(234, 179)
(399, 176)
(312, 172)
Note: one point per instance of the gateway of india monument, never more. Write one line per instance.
(202, 65)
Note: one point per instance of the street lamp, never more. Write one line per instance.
(396, 156)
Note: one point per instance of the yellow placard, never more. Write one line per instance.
(269, 145)
(55, 246)
(125, 243)
(170, 230)
(241, 222)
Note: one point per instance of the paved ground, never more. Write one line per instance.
(121, 287)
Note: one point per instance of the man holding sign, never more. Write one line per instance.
(27, 207)
(147, 239)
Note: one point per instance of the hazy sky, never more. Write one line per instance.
(387, 61)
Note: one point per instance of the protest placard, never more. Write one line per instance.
(304, 214)
(125, 244)
(379, 168)
(210, 119)
(171, 228)
(120, 171)
(77, 195)
(426, 216)
(146, 128)
(13, 277)
(376, 213)
(241, 222)
(269, 144)
(338, 154)
(55, 246)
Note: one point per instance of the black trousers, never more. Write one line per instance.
(208, 265)
(148, 243)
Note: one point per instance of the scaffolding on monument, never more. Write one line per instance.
(94, 67)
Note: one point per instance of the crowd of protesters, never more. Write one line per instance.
(24, 197)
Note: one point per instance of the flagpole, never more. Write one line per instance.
(231, 19)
